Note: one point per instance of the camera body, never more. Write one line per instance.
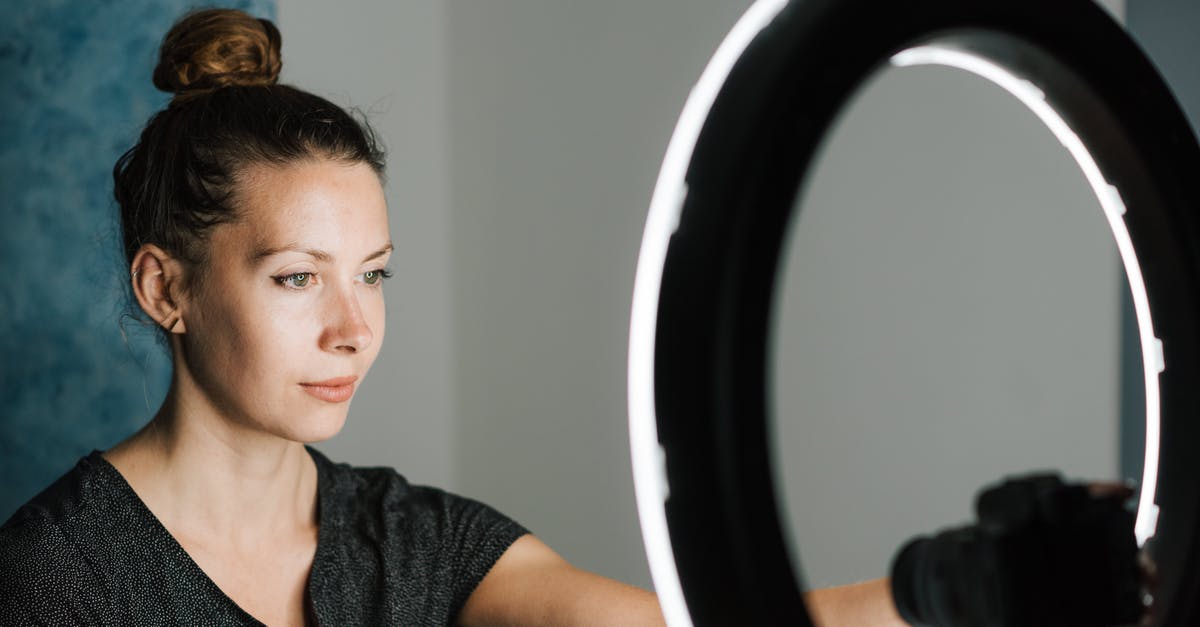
(1044, 553)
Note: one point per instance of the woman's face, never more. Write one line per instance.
(288, 316)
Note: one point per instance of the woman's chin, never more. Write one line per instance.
(317, 427)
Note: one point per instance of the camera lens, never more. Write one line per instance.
(936, 581)
(905, 581)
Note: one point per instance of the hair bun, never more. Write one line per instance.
(216, 48)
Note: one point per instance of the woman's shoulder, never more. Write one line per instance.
(416, 551)
(382, 493)
(39, 524)
(43, 572)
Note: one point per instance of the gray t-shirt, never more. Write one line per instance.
(88, 551)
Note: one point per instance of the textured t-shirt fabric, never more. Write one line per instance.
(88, 551)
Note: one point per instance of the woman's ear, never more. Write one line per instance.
(158, 281)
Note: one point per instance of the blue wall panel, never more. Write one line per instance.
(76, 373)
(1169, 33)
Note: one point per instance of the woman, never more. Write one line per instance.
(256, 233)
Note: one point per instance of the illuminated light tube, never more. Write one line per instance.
(1114, 208)
(649, 463)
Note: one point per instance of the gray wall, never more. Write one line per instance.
(949, 316)
(562, 112)
(525, 139)
(389, 60)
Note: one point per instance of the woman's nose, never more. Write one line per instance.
(347, 330)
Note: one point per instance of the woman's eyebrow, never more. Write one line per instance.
(387, 248)
(259, 254)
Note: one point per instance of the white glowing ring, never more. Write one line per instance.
(1114, 210)
(941, 44)
(650, 480)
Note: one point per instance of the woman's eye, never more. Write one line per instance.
(296, 281)
(375, 277)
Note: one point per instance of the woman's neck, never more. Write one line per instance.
(206, 476)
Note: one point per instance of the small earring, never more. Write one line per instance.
(171, 321)
(139, 271)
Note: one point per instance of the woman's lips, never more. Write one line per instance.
(332, 390)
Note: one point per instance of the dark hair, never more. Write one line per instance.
(179, 180)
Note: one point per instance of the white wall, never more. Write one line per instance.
(525, 137)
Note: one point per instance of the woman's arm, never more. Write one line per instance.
(868, 603)
(532, 585)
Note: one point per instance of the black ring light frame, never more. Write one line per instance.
(725, 194)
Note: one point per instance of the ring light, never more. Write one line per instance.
(709, 255)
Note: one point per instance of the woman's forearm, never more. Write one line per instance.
(867, 604)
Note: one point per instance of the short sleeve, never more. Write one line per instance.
(393, 553)
(474, 538)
